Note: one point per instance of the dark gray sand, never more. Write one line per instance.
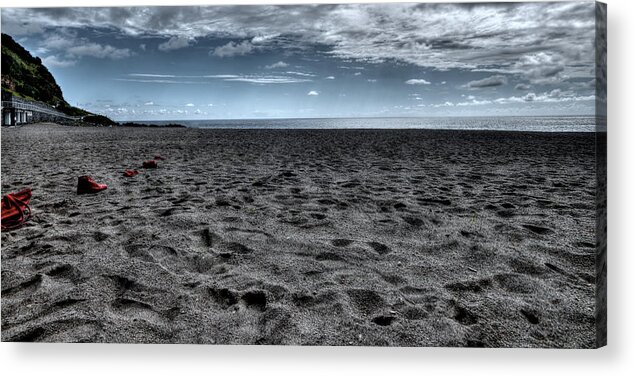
(334, 237)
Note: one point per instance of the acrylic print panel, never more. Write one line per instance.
(354, 174)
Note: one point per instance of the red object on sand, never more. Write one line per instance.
(150, 164)
(130, 173)
(85, 184)
(159, 158)
(15, 209)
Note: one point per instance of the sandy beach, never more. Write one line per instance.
(302, 237)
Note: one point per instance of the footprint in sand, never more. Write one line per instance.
(414, 313)
(328, 256)
(380, 248)
(254, 299)
(384, 320)
(414, 221)
(208, 238)
(138, 310)
(469, 286)
(58, 331)
(135, 308)
(342, 242)
(516, 283)
(100, 236)
(123, 284)
(393, 279)
(223, 297)
(235, 247)
(303, 300)
(530, 315)
(318, 216)
(31, 335)
(537, 229)
(366, 301)
(26, 288)
(64, 271)
(464, 316)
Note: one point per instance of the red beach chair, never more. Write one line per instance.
(85, 184)
(130, 173)
(15, 209)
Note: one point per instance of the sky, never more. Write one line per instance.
(304, 61)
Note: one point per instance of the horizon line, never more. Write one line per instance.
(368, 117)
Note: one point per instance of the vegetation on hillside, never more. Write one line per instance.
(99, 120)
(24, 76)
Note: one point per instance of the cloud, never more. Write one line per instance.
(159, 81)
(313, 93)
(150, 103)
(553, 96)
(330, 78)
(301, 74)
(492, 81)
(472, 101)
(152, 75)
(59, 41)
(540, 67)
(99, 51)
(54, 61)
(222, 76)
(357, 73)
(417, 81)
(264, 38)
(255, 79)
(536, 43)
(189, 105)
(445, 104)
(279, 64)
(69, 47)
(522, 87)
(494, 37)
(176, 43)
(234, 49)
(207, 79)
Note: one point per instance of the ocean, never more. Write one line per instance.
(506, 123)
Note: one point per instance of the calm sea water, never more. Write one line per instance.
(515, 123)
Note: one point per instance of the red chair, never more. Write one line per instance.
(15, 209)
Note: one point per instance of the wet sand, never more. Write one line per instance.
(304, 237)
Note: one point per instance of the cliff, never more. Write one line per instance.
(24, 75)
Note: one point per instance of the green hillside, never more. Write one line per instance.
(24, 76)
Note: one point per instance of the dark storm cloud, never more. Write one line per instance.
(440, 36)
(492, 81)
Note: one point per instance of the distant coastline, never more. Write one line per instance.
(550, 124)
(149, 125)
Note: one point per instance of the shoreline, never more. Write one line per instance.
(181, 126)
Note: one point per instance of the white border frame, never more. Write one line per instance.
(615, 359)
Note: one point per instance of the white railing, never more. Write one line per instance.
(21, 104)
